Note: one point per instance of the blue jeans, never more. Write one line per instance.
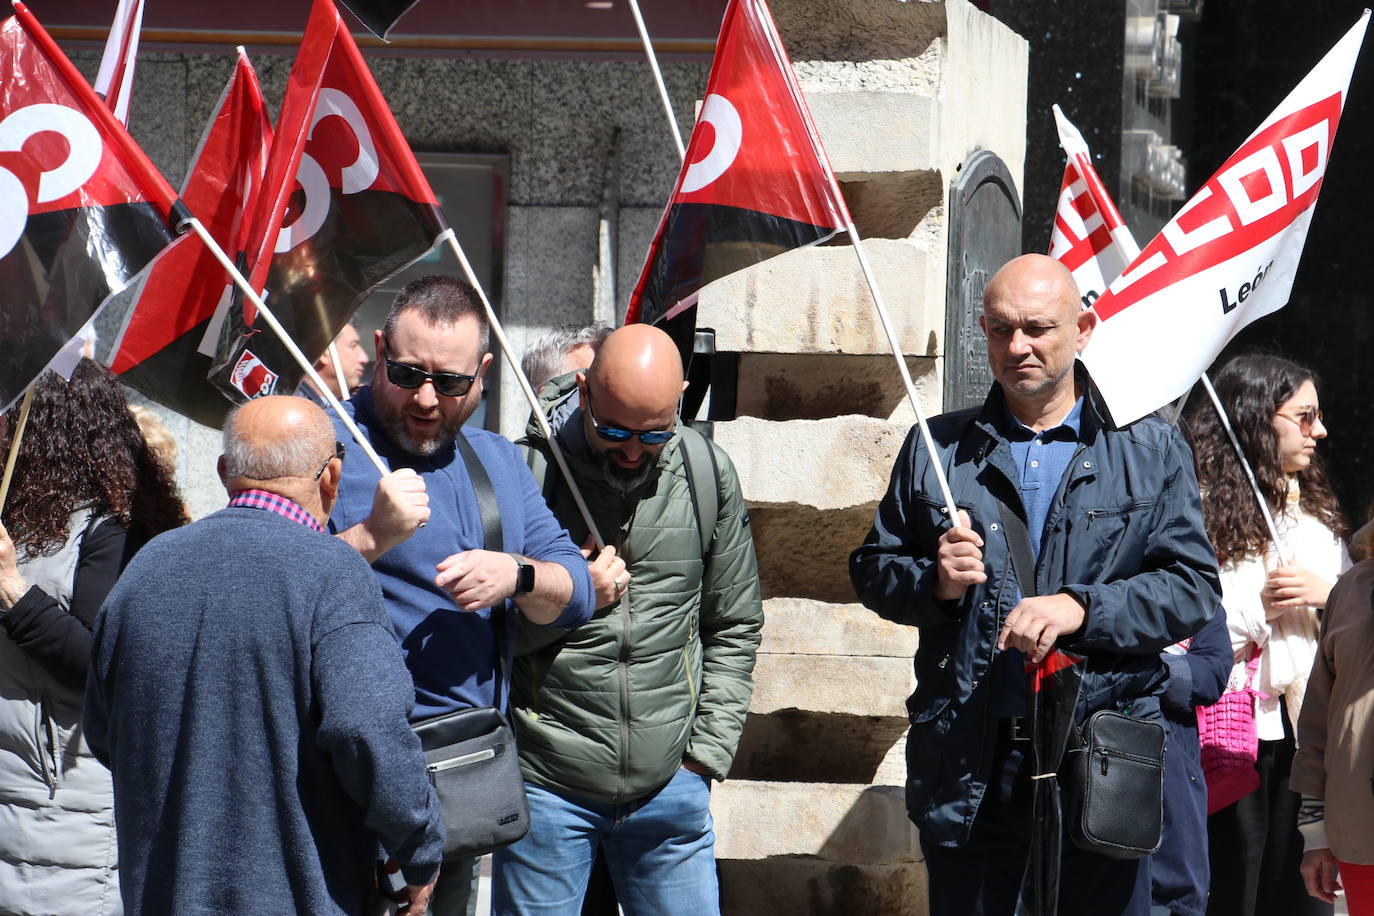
(660, 850)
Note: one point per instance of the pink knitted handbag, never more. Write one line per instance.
(1230, 747)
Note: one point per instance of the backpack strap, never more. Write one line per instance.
(703, 483)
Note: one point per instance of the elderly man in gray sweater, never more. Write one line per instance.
(248, 695)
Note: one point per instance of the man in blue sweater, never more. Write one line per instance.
(247, 694)
(452, 603)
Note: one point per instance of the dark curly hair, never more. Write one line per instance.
(82, 449)
(1252, 388)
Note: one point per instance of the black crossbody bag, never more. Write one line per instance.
(470, 754)
(1113, 770)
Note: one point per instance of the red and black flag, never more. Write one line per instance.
(379, 16)
(344, 206)
(163, 342)
(82, 209)
(755, 181)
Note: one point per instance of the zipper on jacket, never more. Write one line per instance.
(623, 668)
(48, 749)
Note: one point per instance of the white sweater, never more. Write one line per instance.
(1290, 641)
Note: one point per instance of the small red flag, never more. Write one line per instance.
(160, 347)
(755, 181)
(82, 209)
(344, 207)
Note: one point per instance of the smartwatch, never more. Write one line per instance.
(524, 575)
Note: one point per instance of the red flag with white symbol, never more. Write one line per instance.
(344, 206)
(1089, 236)
(1228, 257)
(158, 342)
(755, 181)
(82, 209)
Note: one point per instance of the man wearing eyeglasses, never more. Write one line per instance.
(453, 604)
(624, 722)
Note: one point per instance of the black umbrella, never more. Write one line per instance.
(1054, 685)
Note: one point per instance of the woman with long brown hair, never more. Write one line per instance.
(87, 492)
(1272, 606)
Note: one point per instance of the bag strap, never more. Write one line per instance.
(1018, 542)
(1252, 666)
(487, 505)
(704, 489)
(492, 539)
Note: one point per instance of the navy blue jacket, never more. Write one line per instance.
(1179, 872)
(1124, 535)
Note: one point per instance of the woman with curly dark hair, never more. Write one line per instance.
(87, 493)
(1272, 606)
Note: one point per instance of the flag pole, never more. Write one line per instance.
(1245, 466)
(496, 329)
(338, 370)
(896, 346)
(287, 342)
(14, 443)
(658, 80)
(1129, 250)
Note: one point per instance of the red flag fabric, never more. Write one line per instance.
(344, 206)
(159, 345)
(115, 81)
(755, 181)
(82, 209)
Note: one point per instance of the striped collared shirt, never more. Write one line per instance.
(273, 502)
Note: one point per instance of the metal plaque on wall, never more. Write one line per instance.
(984, 233)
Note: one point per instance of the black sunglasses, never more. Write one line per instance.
(338, 453)
(449, 384)
(617, 434)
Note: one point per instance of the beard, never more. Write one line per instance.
(393, 423)
(622, 479)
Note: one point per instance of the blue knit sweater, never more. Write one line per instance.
(452, 654)
(247, 693)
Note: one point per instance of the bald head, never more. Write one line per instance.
(1036, 327)
(633, 387)
(1035, 277)
(639, 368)
(276, 437)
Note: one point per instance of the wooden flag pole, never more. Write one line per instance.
(896, 346)
(15, 440)
(287, 342)
(658, 80)
(525, 387)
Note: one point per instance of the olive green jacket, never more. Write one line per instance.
(608, 711)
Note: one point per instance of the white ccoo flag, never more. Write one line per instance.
(1228, 257)
(1089, 236)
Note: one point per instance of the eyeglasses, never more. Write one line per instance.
(1306, 420)
(338, 453)
(617, 434)
(449, 384)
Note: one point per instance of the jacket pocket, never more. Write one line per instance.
(1107, 532)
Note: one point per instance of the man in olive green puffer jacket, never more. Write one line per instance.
(623, 722)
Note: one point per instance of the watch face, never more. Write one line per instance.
(524, 580)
